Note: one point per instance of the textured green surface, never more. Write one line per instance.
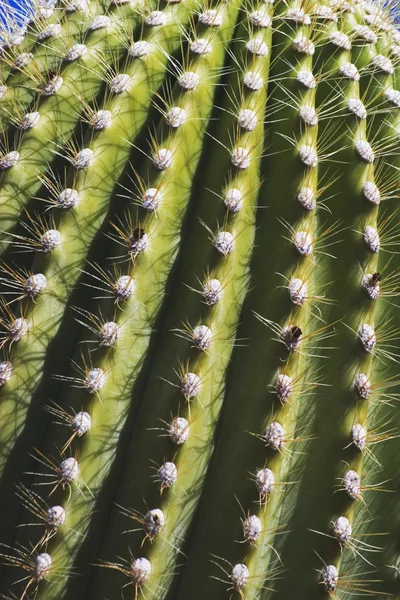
(251, 126)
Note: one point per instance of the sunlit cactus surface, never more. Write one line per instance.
(200, 300)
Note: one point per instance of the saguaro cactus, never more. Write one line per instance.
(200, 324)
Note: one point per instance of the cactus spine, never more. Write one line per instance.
(199, 306)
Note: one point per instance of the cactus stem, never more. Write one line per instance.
(222, 109)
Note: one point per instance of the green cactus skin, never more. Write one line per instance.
(209, 364)
(94, 185)
(83, 79)
(173, 186)
(200, 341)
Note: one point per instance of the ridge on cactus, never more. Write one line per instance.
(199, 299)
